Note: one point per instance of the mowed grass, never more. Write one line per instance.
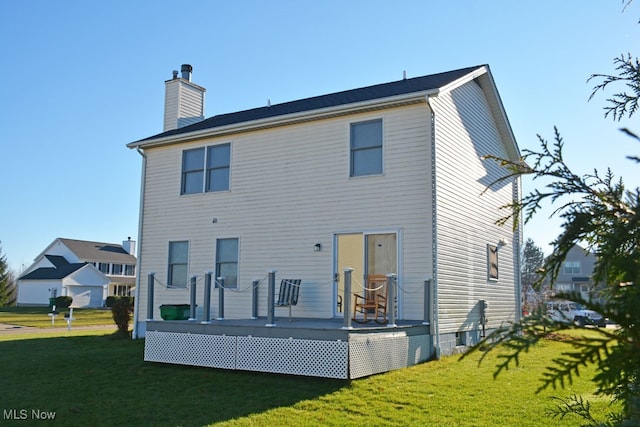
(97, 378)
(38, 317)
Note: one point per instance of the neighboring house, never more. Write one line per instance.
(575, 274)
(385, 179)
(86, 271)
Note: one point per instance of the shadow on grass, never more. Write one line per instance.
(103, 380)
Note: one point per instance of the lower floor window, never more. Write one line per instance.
(178, 264)
(227, 261)
(123, 290)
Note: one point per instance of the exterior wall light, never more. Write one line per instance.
(317, 247)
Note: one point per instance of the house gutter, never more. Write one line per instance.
(434, 237)
(136, 309)
(289, 119)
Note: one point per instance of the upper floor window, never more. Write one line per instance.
(572, 267)
(178, 264)
(103, 267)
(116, 269)
(366, 148)
(218, 157)
(129, 270)
(192, 171)
(206, 170)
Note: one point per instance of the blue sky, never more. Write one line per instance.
(82, 79)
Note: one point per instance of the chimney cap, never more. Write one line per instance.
(186, 70)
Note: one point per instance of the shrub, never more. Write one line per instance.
(63, 302)
(113, 298)
(121, 312)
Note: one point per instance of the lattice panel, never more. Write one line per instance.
(214, 351)
(375, 355)
(328, 359)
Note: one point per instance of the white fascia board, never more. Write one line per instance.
(465, 79)
(376, 104)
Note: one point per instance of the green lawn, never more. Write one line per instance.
(95, 378)
(38, 317)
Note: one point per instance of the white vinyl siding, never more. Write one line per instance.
(465, 132)
(291, 189)
(184, 104)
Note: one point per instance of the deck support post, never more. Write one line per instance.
(150, 281)
(427, 303)
(391, 286)
(254, 299)
(192, 298)
(220, 286)
(347, 298)
(207, 298)
(271, 299)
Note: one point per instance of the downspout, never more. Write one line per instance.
(136, 309)
(517, 234)
(434, 236)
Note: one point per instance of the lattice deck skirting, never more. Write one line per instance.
(362, 356)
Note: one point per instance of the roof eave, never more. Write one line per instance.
(288, 119)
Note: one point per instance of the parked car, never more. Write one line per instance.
(569, 311)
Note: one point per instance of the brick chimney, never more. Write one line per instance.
(183, 100)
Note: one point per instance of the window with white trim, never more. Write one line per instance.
(178, 264)
(572, 267)
(206, 170)
(227, 261)
(492, 262)
(103, 267)
(366, 148)
(130, 270)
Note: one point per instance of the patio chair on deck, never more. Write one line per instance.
(288, 296)
(374, 301)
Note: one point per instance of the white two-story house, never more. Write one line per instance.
(387, 179)
(87, 271)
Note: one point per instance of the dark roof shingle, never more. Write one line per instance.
(60, 271)
(416, 84)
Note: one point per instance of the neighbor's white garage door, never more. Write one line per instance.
(86, 296)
